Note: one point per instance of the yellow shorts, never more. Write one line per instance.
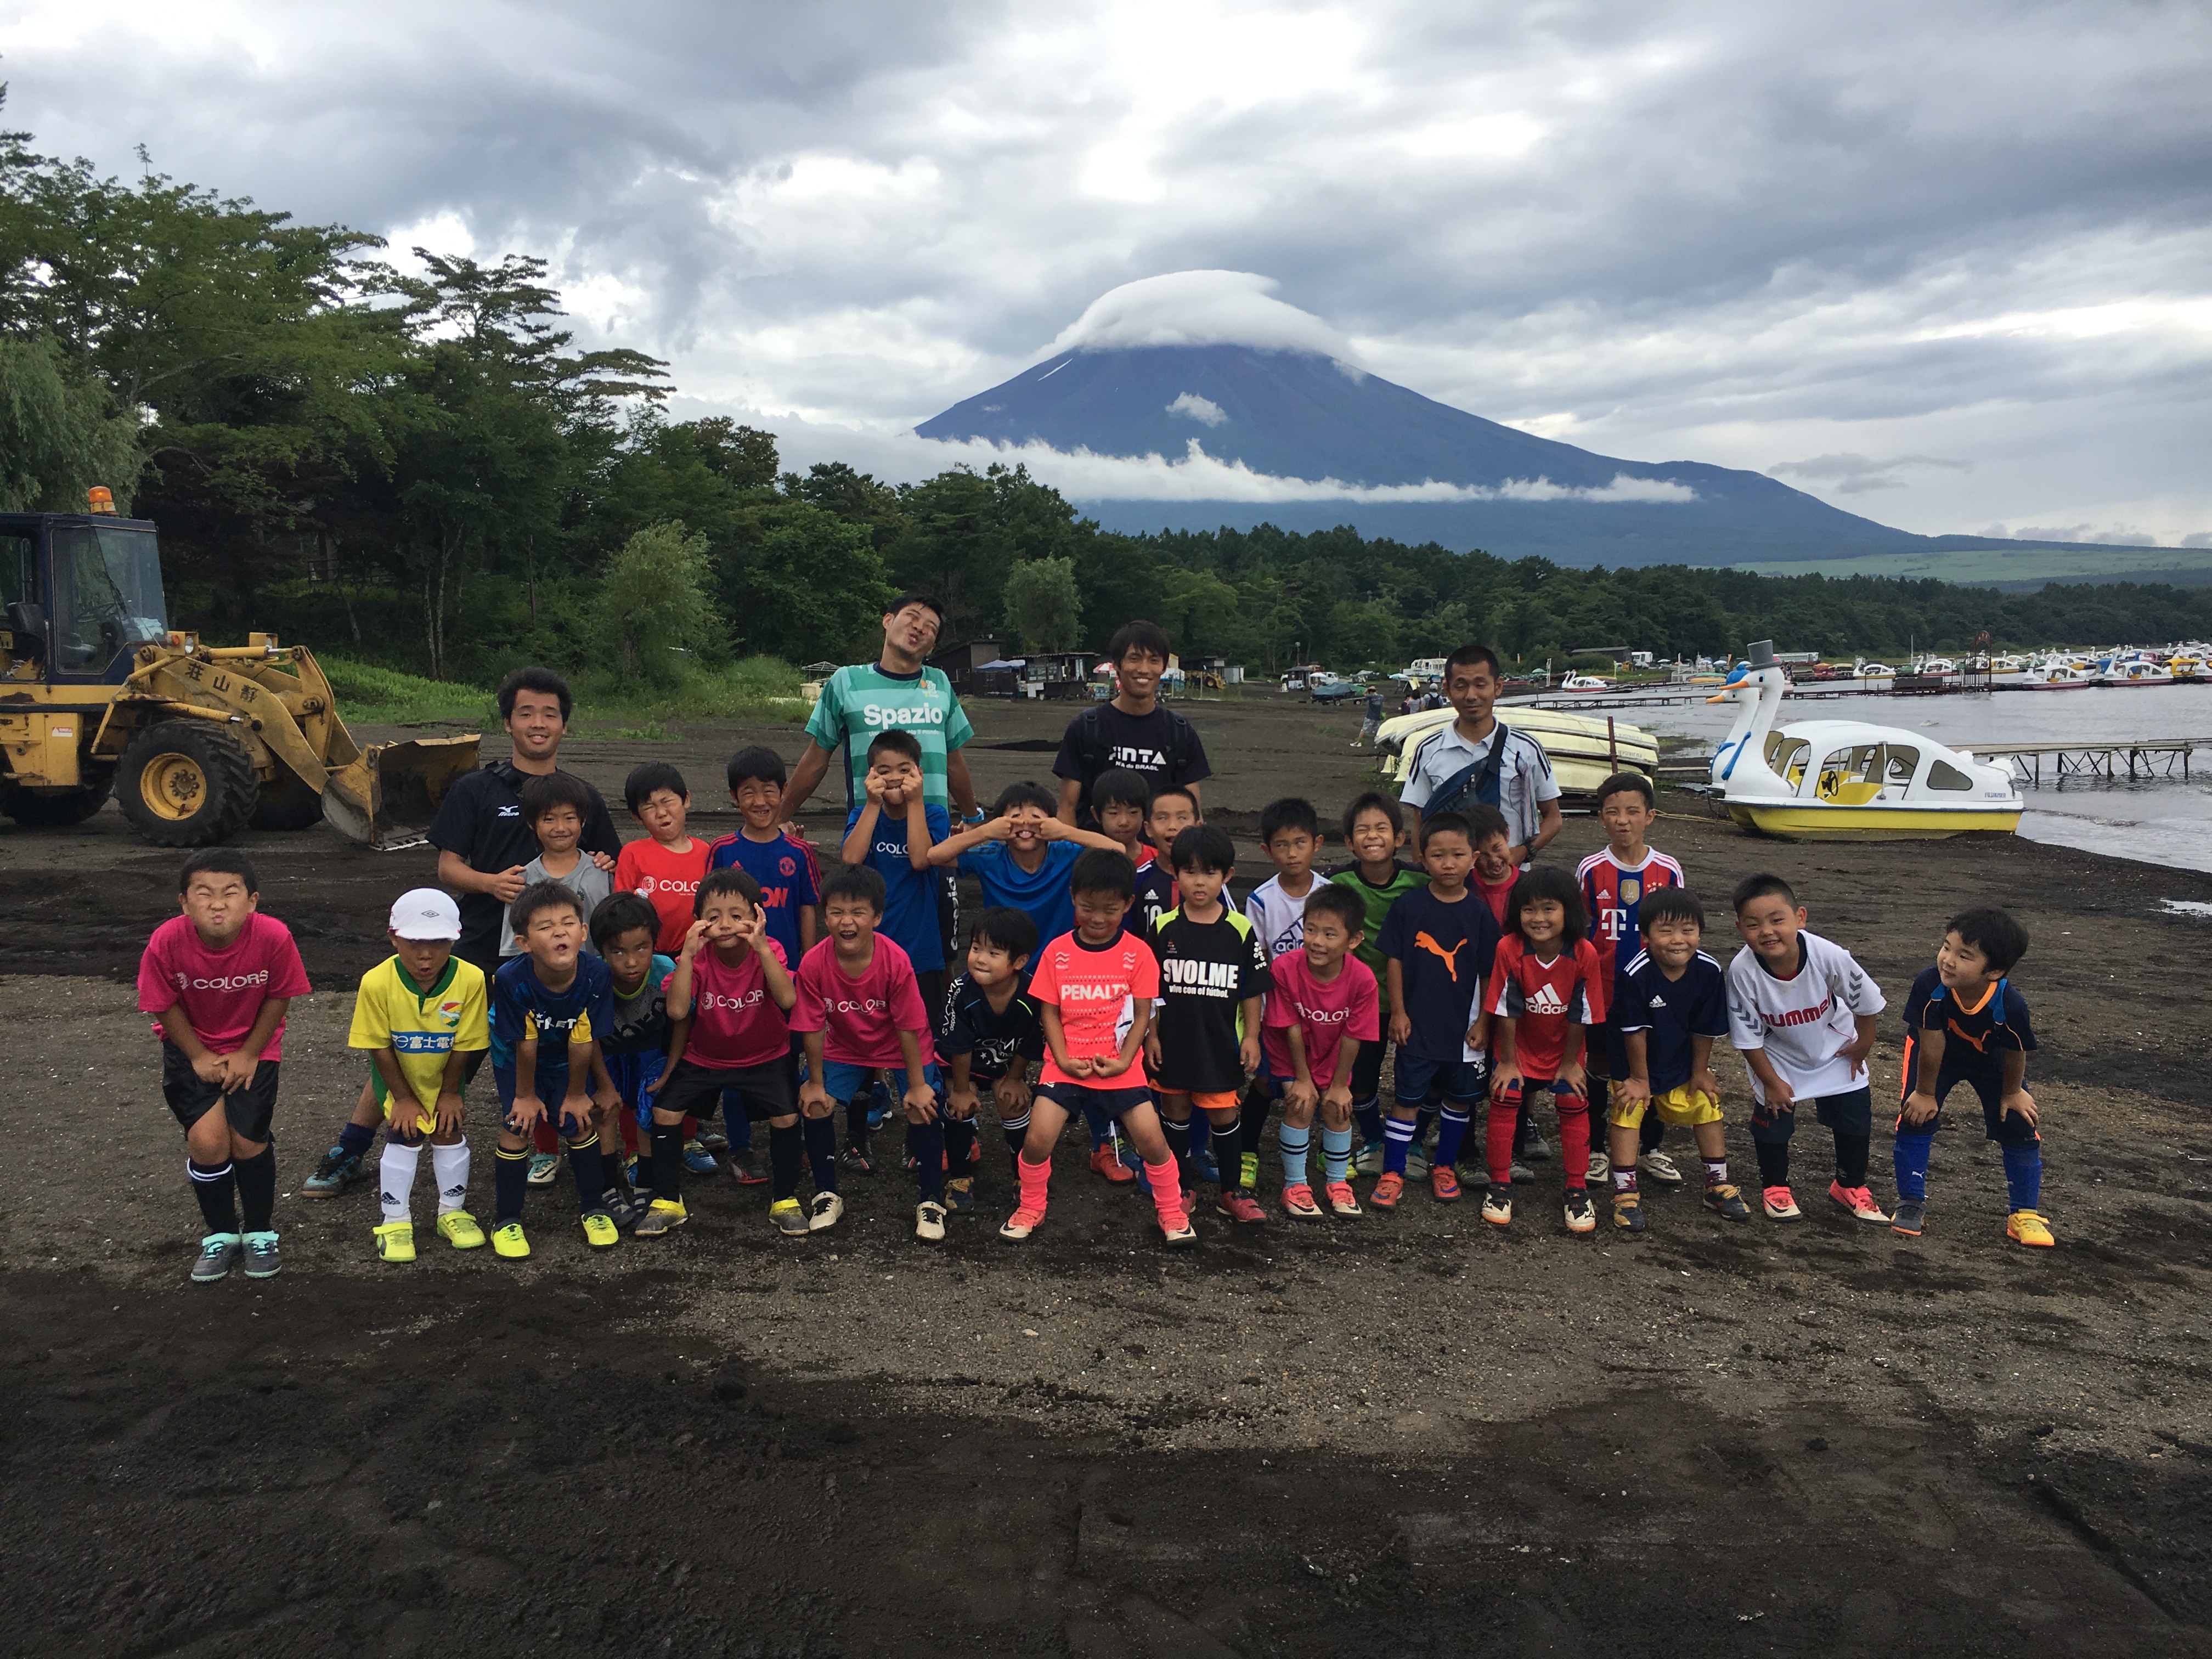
(1680, 1104)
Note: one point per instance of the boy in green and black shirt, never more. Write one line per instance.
(1374, 828)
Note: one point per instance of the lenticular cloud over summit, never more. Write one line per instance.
(1200, 308)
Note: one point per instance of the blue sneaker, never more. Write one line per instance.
(1204, 1168)
(879, 1104)
(339, 1170)
(262, 1259)
(219, 1253)
(697, 1159)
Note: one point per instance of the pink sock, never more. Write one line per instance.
(1167, 1194)
(1035, 1179)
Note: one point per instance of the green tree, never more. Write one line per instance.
(1043, 610)
(59, 433)
(654, 599)
(803, 584)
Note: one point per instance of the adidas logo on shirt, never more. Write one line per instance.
(1547, 1001)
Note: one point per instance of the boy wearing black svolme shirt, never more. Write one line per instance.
(989, 1033)
(1205, 1044)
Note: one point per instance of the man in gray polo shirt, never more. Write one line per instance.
(1462, 764)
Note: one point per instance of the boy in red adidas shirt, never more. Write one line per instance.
(1548, 991)
(665, 866)
(1094, 988)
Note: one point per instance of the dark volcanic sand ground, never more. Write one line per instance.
(1410, 1433)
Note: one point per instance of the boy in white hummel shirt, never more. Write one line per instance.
(1802, 1011)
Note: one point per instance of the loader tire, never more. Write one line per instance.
(54, 810)
(185, 783)
(287, 804)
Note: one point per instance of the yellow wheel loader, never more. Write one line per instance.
(195, 742)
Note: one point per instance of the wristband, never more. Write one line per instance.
(979, 817)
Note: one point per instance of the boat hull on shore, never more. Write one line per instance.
(1794, 820)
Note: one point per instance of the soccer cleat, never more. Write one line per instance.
(1628, 1213)
(1498, 1205)
(1909, 1217)
(1657, 1166)
(929, 1221)
(856, 1159)
(1858, 1201)
(1020, 1224)
(1248, 1171)
(1204, 1166)
(1417, 1161)
(1724, 1201)
(1299, 1200)
(1240, 1206)
(1389, 1186)
(219, 1252)
(697, 1160)
(2028, 1227)
(713, 1141)
(619, 1209)
(1443, 1184)
(1521, 1174)
(339, 1170)
(544, 1166)
(790, 1219)
(395, 1241)
(663, 1215)
(458, 1229)
(1368, 1160)
(262, 1259)
(1104, 1163)
(1779, 1204)
(822, 1214)
(745, 1168)
(960, 1194)
(1536, 1149)
(507, 1241)
(1580, 1218)
(1342, 1199)
(1601, 1167)
(1182, 1236)
(600, 1231)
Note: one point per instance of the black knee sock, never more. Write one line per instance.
(589, 1170)
(1773, 1162)
(1178, 1136)
(960, 1145)
(1851, 1159)
(256, 1188)
(821, 1134)
(1651, 1133)
(927, 1141)
(510, 1176)
(786, 1147)
(214, 1185)
(1521, 1124)
(856, 1121)
(668, 1162)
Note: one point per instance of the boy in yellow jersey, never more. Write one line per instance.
(421, 1013)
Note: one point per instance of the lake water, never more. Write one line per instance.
(2158, 822)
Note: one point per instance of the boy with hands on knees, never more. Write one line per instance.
(421, 1013)
(991, 1034)
(1322, 1012)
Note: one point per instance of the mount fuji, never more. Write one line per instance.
(1195, 400)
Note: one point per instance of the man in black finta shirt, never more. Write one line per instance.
(990, 1032)
(1205, 1042)
(1132, 734)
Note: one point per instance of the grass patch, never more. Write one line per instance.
(757, 688)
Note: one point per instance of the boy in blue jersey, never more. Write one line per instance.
(634, 1048)
(1022, 855)
(1672, 1005)
(1439, 945)
(1965, 1022)
(548, 1007)
(1174, 809)
(991, 1034)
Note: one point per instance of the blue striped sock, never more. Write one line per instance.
(1336, 1154)
(1397, 1140)
(1451, 1135)
(1293, 1143)
(2023, 1168)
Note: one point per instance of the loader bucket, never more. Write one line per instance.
(386, 799)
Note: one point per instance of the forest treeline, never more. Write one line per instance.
(419, 467)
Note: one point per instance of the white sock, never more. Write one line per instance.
(396, 1178)
(451, 1166)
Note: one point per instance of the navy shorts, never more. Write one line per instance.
(552, 1090)
(1996, 1125)
(192, 1097)
(1851, 1113)
(1416, 1077)
(1113, 1102)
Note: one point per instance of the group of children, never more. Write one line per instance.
(1111, 977)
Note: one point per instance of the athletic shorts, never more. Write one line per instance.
(192, 1096)
(1205, 1100)
(552, 1090)
(841, 1080)
(1851, 1113)
(1114, 1103)
(1680, 1104)
(767, 1090)
(1416, 1077)
(1367, 1072)
(637, 1076)
(2006, 1130)
(1510, 1097)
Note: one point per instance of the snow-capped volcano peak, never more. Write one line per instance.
(1197, 308)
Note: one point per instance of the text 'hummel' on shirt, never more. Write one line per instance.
(1804, 1020)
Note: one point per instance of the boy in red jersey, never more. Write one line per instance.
(1614, 883)
(1548, 991)
(220, 977)
(1495, 873)
(1094, 988)
(728, 999)
(1323, 1009)
(860, 1010)
(664, 866)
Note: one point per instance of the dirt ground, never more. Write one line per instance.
(1410, 1433)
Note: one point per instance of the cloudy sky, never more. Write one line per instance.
(1945, 265)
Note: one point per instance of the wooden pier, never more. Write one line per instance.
(2104, 763)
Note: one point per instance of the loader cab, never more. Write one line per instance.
(81, 592)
